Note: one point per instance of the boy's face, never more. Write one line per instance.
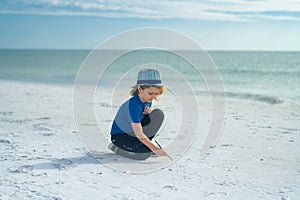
(148, 94)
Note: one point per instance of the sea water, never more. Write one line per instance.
(263, 76)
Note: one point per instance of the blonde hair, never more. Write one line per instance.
(135, 90)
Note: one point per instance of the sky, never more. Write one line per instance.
(213, 24)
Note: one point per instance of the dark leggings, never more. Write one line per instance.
(150, 123)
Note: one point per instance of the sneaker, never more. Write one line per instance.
(110, 145)
(113, 147)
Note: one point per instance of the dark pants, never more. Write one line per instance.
(150, 123)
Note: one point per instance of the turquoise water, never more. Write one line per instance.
(271, 77)
(53, 66)
(265, 76)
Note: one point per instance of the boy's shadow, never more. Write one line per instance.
(94, 158)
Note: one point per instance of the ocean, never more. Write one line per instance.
(261, 76)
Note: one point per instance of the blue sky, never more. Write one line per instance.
(214, 24)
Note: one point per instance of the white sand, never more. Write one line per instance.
(42, 157)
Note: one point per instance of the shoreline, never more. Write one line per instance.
(229, 95)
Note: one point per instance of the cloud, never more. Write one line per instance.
(216, 10)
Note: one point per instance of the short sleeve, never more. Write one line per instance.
(135, 111)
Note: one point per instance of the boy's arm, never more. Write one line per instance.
(138, 131)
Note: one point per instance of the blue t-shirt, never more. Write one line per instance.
(130, 112)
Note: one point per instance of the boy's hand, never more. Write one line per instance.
(147, 110)
(160, 152)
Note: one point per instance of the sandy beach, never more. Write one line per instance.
(42, 157)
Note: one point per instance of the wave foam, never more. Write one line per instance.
(255, 97)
